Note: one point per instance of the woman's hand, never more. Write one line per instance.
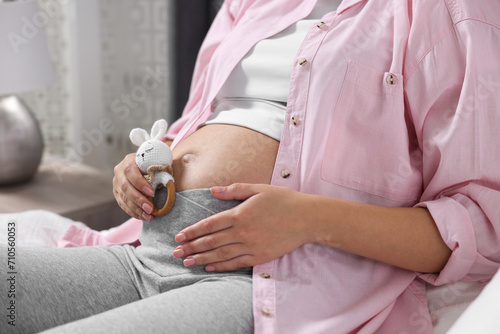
(268, 224)
(130, 189)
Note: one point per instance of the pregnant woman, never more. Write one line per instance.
(332, 158)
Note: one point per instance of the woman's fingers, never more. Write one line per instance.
(218, 250)
(130, 188)
(131, 173)
(132, 209)
(238, 191)
(224, 253)
(237, 263)
(215, 243)
(217, 222)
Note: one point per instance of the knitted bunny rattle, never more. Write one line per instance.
(154, 159)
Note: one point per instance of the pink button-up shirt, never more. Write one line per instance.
(395, 103)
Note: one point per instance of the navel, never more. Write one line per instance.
(187, 158)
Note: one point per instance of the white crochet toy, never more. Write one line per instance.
(154, 159)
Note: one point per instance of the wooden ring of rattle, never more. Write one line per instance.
(169, 202)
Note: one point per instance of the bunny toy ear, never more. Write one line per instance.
(159, 129)
(139, 136)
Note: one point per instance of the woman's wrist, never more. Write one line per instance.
(319, 215)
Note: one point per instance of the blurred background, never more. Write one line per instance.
(126, 61)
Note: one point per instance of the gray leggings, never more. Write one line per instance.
(122, 289)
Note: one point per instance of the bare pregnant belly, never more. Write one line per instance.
(219, 155)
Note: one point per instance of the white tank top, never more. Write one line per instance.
(255, 93)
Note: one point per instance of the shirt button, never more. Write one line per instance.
(295, 120)
(391, 79)
(320, 25)
(285, 173)
(265, 275)
(266, 311)
(302, 61)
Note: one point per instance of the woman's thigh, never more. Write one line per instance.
(45, 287)
(214, 305)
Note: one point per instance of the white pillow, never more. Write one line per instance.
(483, 315)
(447, 302)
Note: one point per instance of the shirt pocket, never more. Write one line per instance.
(368, 146)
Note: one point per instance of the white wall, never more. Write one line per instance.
(137, 58)
(85, 62)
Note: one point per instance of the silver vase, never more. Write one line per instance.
(21, 142)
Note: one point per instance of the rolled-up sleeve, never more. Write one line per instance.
(453, 98)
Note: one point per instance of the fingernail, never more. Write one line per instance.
(209, 268)
(147, 217)
(180, 237)
(189, 262)
(217, 189)
(148, 208)
(148, 191)
(178, 252)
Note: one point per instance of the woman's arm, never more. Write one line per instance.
(274, 221)
(405, 237)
